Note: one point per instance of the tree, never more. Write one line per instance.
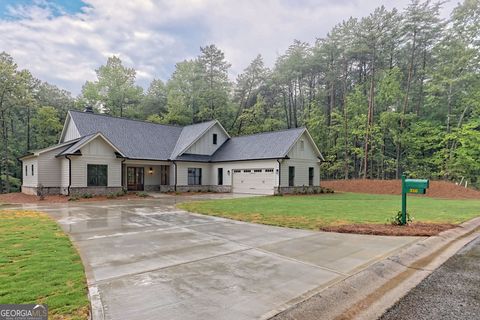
(214, 84)
(114, 90)
(47, 126)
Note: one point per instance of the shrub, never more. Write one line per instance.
(177, 193)
(87, 195)
(142, 194)
(73, 198)
(41, 192)
(112, 195)
(396, 220)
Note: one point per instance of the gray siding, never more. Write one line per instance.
(301, 160)
(205, 145)
(28, 179)
(71, 131)
(49, 173)
(96, 152)
(182, 172)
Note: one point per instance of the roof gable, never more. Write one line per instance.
(268, 145)
(75, 148)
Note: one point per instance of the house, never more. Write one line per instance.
(101, 154)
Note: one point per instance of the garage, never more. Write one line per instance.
(254, 181)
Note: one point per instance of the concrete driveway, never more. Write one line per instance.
(149, 260)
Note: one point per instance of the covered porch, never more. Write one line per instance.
(148, 175)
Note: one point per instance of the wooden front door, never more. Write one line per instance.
(135, 178)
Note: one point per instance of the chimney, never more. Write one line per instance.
(88, 109)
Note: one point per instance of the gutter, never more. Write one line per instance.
(69, 174)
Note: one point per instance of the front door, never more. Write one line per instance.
(135, 177)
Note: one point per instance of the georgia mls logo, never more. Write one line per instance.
(23, 312)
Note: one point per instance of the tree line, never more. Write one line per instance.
(390, 93)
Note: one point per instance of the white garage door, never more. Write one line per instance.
(255, 181)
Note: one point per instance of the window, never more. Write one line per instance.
(257, 170)
(268, 170)
(291, 176)
(237, 171)
(302, 145)
(26, 170)
(194, 176)
(310, 176)
(247, 170)
(32, 171)
(220, 176)
(214, 138)
(97, 175)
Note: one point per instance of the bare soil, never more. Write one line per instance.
(438, 189)
(412, 229)
(18, 197)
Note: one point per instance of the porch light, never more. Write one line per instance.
(277, 171)
(150, 170)
(228, 172)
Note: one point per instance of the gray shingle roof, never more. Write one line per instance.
(268, 145)
(144, 140)
(74, 146)
(136, 139)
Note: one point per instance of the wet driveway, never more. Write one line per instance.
(145, 259)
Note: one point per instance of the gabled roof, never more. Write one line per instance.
(268, 145)
(37, 152)
(136, 139)
(189, 135)
(75, 147)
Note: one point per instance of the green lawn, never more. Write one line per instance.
(38, 264)
(312, 212)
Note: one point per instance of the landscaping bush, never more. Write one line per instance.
(41, 192)
(142, 194)
(396, 220)
(73, 198)
(112, 195)
(87, 195)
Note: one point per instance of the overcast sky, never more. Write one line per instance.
(64, 41)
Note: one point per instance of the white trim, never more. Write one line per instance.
(99, 134)
(201, 135)
(305, 130)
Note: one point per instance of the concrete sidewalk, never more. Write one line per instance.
(149, 260)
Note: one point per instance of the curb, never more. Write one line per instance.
(370, 292)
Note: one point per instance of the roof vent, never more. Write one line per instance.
(88, 109)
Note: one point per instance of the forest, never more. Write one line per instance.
(395, 92)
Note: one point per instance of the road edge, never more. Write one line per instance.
(370, 292)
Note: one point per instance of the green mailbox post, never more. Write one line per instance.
(418, 186)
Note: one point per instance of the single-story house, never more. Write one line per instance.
(101, 154)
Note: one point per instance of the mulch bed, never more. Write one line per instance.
(412, 229)
(438, 189)
(20, 198)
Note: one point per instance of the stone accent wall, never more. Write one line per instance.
(302, 190)
(205, 188)
(95, 191)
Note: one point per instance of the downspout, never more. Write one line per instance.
(175, 185)
(279, 175)
(123, 174)
(69, 175)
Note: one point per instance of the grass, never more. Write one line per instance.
(313, 212)
(38, 264)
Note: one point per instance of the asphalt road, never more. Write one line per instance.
(450, 292)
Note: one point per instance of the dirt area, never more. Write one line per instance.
(412, 229)
(438, 189)
(18, 197)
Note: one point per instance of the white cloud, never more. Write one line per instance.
(151, 36)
